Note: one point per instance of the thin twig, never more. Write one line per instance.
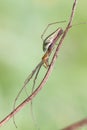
(76, 125)
(43, 82)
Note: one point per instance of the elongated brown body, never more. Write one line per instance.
(49, 43)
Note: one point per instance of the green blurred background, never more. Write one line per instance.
(63, 100)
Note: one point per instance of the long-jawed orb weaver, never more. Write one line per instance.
(49, 42)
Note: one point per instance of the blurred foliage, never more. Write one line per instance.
(63, 101)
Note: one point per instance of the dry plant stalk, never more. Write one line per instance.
(76, 125)
(44, 80)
